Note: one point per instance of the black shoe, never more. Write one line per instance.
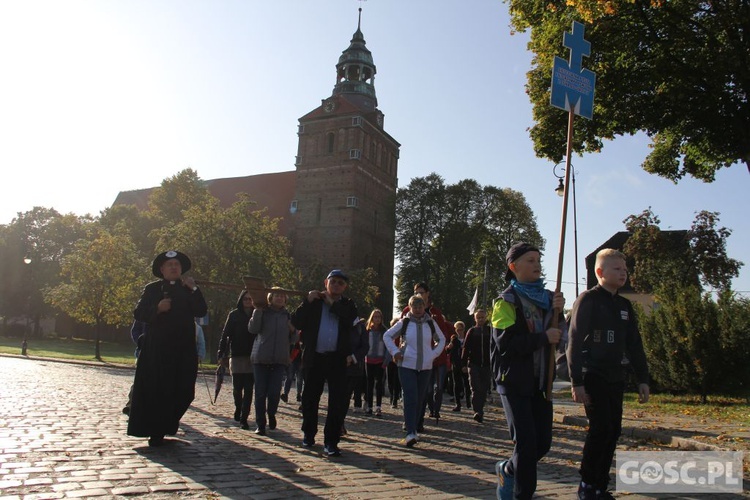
(456, 408)
(261, 431)
(272, 422)
(126, 410)
(604, 495)
(432, 414)
(308, 442)
(332, 450)
(245, 425)
(586, 492)
(156, 440)
(285, 398)
(343, 432)
(237, 415)
(479, 417)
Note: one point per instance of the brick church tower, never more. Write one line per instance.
(343, 212)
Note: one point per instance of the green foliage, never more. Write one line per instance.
(677, 70)
(447, 234)
(678, 258)
(43, 237)
(697, 345)
(690, 339)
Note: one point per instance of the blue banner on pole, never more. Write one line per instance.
(573, 86)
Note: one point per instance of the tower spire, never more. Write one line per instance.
(355, 71)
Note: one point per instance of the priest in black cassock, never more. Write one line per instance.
(167, 367)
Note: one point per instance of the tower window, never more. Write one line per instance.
(300, 129)
(352, 202)
(355, 154)
(329, 139)
(356, 121)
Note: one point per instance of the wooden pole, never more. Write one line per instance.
(563, 226)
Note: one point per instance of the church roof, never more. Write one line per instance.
(273, 191)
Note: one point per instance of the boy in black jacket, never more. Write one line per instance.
(603, 328)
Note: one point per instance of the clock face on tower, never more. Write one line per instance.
(329, 106)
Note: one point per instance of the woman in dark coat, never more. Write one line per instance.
(167, 367)
(235, 348)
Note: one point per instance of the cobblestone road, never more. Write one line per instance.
(62, 435)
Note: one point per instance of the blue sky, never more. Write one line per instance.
(99, 97)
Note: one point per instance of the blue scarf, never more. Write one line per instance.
(534, 292)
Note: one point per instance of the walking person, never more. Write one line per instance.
(355, 372)
(421, 342)
(325, 318)
(375, 361)
(603, 328)
(270, 356)
(235, 348)
(391, 373)
(461, 387)
(167, 367)
(476, 360)
(441, 363)
(521, 343)
(293, 373)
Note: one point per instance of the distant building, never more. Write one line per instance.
(338, 206)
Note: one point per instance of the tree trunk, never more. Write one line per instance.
(98, 330)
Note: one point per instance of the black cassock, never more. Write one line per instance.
(167, 366)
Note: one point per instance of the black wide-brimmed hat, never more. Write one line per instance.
(170, 254)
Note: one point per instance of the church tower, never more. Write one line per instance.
(346, 166)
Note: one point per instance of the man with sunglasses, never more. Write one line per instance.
(325, 319)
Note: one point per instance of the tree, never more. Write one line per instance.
(677, 70)
(43, 237)
(690, 339)
(446, 233)
(103, 281)
(225, 245)
(679, 258)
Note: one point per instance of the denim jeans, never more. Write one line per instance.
(414, 384)
(268, 379)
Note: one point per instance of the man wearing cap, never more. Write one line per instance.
(167, 367)
(325, 319)
(521, 341)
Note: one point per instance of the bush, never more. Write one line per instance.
(696, 345)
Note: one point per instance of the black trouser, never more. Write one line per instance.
(530, 424)
(480, 377)
(461, 387)
(242, 390)
(394, 384)
(604, 412)
(375, 375)
(329, 368)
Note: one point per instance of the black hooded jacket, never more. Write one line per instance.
(235, 339)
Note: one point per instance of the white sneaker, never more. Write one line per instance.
(411, 440)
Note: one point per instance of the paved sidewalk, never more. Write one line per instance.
(62, 435)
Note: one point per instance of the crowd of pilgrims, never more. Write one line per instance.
(324, 342)
(262, 349)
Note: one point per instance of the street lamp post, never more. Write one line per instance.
(560, 190)
(25, 344)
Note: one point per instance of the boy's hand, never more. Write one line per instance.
(579, 394)
(553, 335)
(643, 392)
(558, 301)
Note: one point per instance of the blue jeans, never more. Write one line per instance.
(268, 379)
(414, 384)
